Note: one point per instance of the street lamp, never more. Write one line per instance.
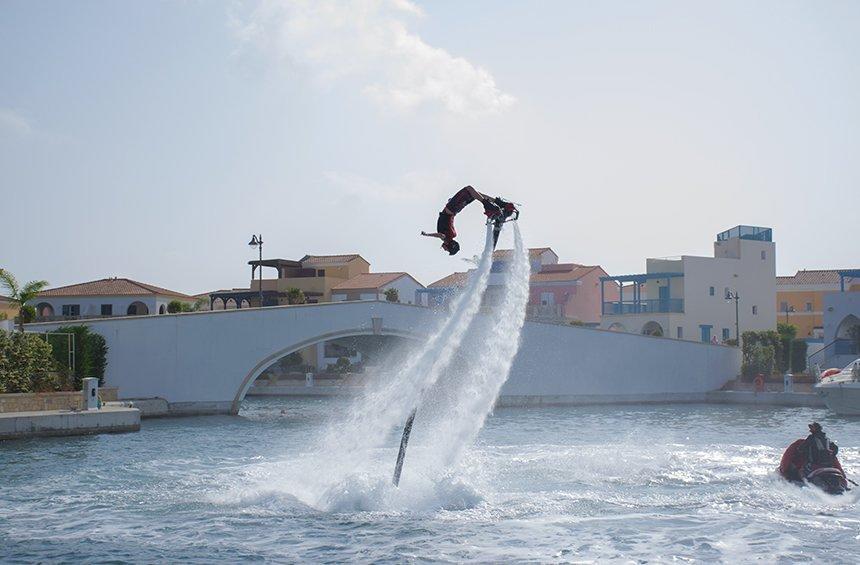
(787, 310)
(258, 242)
(733, 295)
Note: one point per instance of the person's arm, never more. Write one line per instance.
(434, 234)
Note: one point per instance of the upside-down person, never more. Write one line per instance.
(445, 224)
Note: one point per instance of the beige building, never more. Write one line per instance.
(7, 310)
(314, 275)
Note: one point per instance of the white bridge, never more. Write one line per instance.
(204, 362)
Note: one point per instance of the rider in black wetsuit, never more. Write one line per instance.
(445, 224)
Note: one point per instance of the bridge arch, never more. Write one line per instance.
(271, 359)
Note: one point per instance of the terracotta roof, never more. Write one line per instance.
(370, 281)
(453, 280)
(819, 276)
(332, 260)
(111, 287)
(572, 272)
(533, 252)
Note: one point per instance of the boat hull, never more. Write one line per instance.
(842, 398)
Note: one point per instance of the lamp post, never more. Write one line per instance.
(786, 311)
(258, 242)
(733, 295)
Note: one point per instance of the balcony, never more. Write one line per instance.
(655, 306)
(746, 232)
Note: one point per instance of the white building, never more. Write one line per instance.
(372, 286)
(685, 298)
(105, 298)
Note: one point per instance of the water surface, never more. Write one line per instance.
(639, 483)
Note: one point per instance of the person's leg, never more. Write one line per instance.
(434, 234)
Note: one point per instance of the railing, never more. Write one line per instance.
(650, 306)
(835, 348)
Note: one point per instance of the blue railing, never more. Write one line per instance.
(659, 305)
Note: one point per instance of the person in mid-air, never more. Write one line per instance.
(445, 224)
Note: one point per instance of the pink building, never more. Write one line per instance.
(559, 291)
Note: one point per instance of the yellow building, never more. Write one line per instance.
(800, 299)
(314, 275)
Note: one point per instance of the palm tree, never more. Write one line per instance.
(20, 295)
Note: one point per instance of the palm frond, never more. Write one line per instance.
(9, 282)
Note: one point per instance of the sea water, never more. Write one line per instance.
(638, 483)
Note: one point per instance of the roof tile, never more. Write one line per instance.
(111, 287)
(370, 281)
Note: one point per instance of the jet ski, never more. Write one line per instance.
(829, 479)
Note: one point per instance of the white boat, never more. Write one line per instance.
(841, 391)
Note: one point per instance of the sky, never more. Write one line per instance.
(150, 140)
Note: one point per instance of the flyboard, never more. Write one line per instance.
(507, 212)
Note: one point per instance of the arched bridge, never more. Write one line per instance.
(204, 362)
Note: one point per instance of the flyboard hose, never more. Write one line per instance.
(407, 428)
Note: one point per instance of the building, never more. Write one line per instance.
(558, 291)
(692, 297)
(372, 286)
(105, 298)
(800, 298)
(841, 315)
(314, 275)
(8, 311)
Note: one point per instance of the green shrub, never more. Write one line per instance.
(26, 363)
(798, 356)
(176, 306)
(761, 350)
(392, 295)
(90, 354)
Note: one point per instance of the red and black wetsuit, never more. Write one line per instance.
(445, 224)
(794, 461)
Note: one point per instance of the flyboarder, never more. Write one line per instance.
(496, 210)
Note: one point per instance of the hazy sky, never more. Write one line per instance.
(151, 139)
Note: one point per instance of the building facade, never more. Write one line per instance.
(800, 299)
(105, 298)
(692, 297)
(372, 286)
(559, 292)
(7, 310)
(841, 342)
(314, 275)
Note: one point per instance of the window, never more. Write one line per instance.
(547, 299)
(755, 310)
(711, 291)
(763, 255)
(320, 272)
(71, 309)
(783, 306)
(706, 332)
(726, 334)
(107, 309)
(679, 331)
(809, 306)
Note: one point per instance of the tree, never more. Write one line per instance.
(392, 295)
(176, 306)
(20, 295)
(296, 296)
